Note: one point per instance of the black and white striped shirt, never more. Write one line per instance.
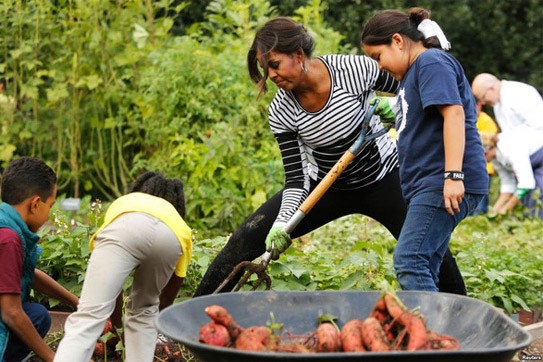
(312, 142)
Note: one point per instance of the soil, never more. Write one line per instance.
(534, 352)
(532, 319)
(167, 352)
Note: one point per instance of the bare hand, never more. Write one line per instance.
(453, 193)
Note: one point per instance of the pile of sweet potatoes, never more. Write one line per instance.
(389, 327)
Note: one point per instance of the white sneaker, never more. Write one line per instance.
(162, 339)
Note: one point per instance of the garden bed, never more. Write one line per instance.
(164, 352)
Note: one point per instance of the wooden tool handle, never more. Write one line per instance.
(326, 182)
(334, 172)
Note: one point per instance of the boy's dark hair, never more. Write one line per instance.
(154, 183)
(25, 177)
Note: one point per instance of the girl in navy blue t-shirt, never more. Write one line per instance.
(442, 165)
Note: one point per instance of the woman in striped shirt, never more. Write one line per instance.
(316, 116)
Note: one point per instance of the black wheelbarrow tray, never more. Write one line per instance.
(485, 332)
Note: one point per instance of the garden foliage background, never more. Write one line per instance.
(105, 90)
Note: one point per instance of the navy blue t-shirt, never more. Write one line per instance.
(435, 78)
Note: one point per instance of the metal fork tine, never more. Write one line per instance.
(250, 268)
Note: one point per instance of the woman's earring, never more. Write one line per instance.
(304, 69)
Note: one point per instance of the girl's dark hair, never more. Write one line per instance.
(281, 35)
(26, 177)
(380, 28)
(154, 183)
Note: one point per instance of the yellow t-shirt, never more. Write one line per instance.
(162, 210)
(485, 124)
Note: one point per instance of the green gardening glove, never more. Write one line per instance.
(277, 241)
(384, 110)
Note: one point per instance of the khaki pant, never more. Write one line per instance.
(133, 241)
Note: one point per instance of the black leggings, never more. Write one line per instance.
(382, 201)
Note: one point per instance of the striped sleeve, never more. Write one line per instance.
(296, 176)
(361, 74)
(292, 160)
(386, 83)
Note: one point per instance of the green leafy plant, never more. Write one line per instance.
(501, 260)
(65, 245)
(104, 92)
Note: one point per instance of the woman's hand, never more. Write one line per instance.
(277, 241)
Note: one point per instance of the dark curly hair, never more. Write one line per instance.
(154, 183)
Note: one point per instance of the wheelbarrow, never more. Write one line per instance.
(259, 268)
(485, 333)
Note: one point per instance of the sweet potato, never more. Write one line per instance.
(256, 338)
(328, 338)
(351, 336)
(113, 338)
(442, 342)
(100, 349)
(379, 306)
(107, 327)
(380, 312)
(221, 316)
(374, 336)
(413, 322)
(215, 334)
(296, 347)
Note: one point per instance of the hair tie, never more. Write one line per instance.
(430, 28)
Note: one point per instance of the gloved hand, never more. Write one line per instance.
(384, 110)
(520, 193)
(277, 241)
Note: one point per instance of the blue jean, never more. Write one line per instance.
(530, 201)
(16, 349)
(482, 209)
(425, 237)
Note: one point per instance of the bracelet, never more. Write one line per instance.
(454, 175)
